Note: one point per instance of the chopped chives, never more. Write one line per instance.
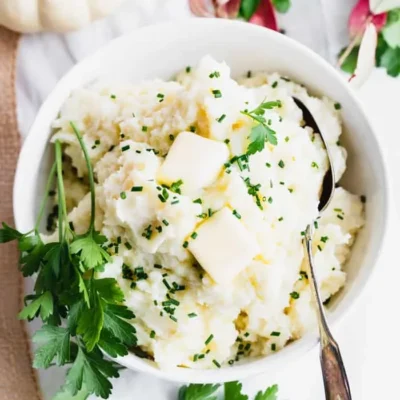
(185, 244)
(167, 285)
(192, 128)
(217, 93)
(324, 239)
(280, 219)
(209, 339)
(201, 356)
(286, 138)
(268, 165)
(319, 248)
(188, 69)
(314, 165)
(195, 357)
(273, 347)
(281, 164)
(198, 201)
(136, 188)
(160, 96)
(270, 200)
(113, 96)
(216, 363)
(144, 128)
(173, 318)
(158, 266)
(316, 224)
(165, 222)
(128, 245)
(192, 315)
(275, 333)
(175, 202)
(221, 118)
(193, 235)
(226, 141)
(274, 85)
(337, 106)
(236, 214)
(152, 334)
(123, 195)
(124, 148)
(340, 217)
(214, 74)
(171, 138)
(295, 295)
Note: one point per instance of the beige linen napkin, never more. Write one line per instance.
(17, 378)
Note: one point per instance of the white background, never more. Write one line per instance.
(369, 334)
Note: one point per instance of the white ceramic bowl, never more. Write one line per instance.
(161, 51)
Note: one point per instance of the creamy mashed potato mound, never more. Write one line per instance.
(183, 316)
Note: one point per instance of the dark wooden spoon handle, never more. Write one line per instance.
(335, 378)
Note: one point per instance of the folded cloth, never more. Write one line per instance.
(17, 378)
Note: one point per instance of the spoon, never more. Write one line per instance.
(333, 370)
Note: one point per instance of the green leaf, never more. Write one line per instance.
(248, 8)
(27, 243)
(111, 345)
(74, 314)
(391, 31)
(43, 304)
(391, 61)
(282, 6)
(109, 290)
(258, 136)
(350, 63)
(270, 393)
(56, 255)
(30, 262)
(198, 392)
(83, 289)
(91, 371)
(233, 391)
(57, 343)
(120, 328)
(7, 234)
(88, 248)
(381, 47)
(90, 322)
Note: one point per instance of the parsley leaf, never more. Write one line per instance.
(90, 322)
(42, 305)
(391, 61)
(198, 392)
(258, 136)
(233, 391)
(270, 393)
(114, 316)
(261, 133)
(7, 234)
(55, 342)
(88, 248)
(282, 6)
(92, 370)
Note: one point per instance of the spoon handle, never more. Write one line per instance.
(333, 370)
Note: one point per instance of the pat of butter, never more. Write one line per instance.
(195, 160)
(223, 246)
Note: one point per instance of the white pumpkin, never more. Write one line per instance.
(53, 15)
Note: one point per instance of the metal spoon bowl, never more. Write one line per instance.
(333, 370)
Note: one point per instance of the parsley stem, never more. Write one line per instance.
(46, 196)
(90, 173)
(62, 207)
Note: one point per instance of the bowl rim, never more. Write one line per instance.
(307, 342)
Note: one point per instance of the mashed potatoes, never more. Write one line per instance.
(183, 316)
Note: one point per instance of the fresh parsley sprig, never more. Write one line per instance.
(232, 391)
(83, 317)
(261, 133)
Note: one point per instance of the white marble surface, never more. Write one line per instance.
(368, 335)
